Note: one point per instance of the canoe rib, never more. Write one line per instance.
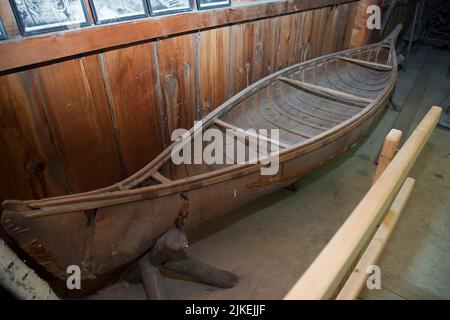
(322, 90)
(160, 178)
(372, 65)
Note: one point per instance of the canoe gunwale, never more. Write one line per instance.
(110, 196)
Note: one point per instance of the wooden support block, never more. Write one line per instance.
(390, 147)
(328, 270)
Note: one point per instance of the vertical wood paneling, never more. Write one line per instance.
(296, 42)
(130, 75)
(319, 28)
(350, 23)
(177, 63)
(29, 165)
(214, 49)
(242, 55)
(288, 33)
(331, 36)
(341, 27)
(307, 29)
(78, 114)
(258, 64)
(270, 34)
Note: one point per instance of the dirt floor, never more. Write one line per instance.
(270, 243)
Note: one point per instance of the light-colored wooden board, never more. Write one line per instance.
(327, 271)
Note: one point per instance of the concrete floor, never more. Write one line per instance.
(270, 243)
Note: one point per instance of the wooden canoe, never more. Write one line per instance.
(321, 108)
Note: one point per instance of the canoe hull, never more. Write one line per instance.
(104, 229)
(101, 240)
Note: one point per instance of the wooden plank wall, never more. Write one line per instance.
(87, 122)
(403, 14)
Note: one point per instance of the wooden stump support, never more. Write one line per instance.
(168, 253)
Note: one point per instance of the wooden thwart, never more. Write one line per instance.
(322, 90)
(328, 270)
(372, 65)
(242, 132)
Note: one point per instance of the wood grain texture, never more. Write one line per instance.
(241, 61)
(390, 148)
(29, 166)
(214, 53)
(319, 26)
(290, 39)
(308, 25)
(130, 77)
(177, 63)
(269, 43)
(77, 109)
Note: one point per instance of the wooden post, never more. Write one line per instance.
(390, 147)
(328, 270)
(20, 280)
(361, 35)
